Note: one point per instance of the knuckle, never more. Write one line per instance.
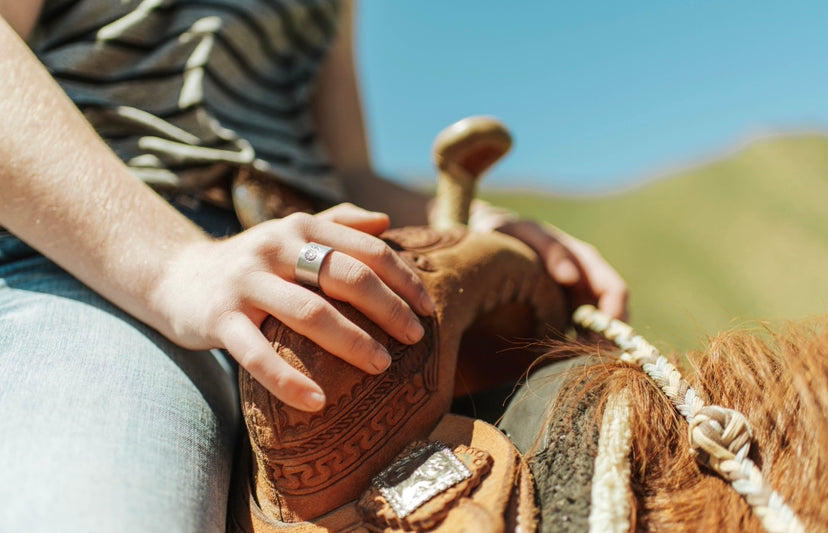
(282, 382)
(398, 313)
(358, 275)
(379, 251)
(302, 222)
(260, 242)
(357, 344)
(282, 385)
(311, 310)
(252, 361)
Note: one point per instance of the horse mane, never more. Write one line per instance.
(777, 379)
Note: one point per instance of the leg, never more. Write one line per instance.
(105, 425)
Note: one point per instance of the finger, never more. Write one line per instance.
(559, 261)
(346, 279)
(613, 295)
(254, 353)
(561, 266)
(614, 304)
(379, 257)
(311, 316)
(603, 281)
(371, 222)
(594, 281)
(603, 285)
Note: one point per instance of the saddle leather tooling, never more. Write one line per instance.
(384, 454)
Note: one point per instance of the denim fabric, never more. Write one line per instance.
(104, 424)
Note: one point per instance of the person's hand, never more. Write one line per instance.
(218, 293)
(576, 265)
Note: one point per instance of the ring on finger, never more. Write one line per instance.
(309, 262)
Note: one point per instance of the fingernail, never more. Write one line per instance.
(313, 400)
(426, 304)
(381, 360)
(415, 331)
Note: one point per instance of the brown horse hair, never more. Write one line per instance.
(777, 379)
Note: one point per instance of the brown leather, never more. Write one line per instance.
(414, 495)
(257, 197)
(307, 465)
(503, 500)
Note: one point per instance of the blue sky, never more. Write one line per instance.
(597, 94)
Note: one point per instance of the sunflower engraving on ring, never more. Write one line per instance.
(309, 263)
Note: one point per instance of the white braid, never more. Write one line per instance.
(610, 509)
(721, 436)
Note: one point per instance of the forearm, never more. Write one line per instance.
(70, 197)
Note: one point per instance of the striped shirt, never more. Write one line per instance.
(187, 91)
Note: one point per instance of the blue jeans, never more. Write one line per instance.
(104, 424)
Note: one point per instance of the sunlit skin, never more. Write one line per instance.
(66, 194)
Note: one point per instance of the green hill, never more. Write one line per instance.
(704, 250)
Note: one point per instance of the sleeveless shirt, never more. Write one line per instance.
(187, 91)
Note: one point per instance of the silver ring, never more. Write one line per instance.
(309, 262)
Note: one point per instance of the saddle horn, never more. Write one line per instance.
(462, 153)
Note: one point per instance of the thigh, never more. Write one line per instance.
(105, 425)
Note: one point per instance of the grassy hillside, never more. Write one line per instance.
(743, 238)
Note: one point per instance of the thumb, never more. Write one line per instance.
(371, 222)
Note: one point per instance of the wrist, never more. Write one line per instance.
(172, 296)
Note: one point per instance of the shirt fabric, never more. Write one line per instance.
(187, 91)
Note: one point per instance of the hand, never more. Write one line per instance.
(218, 293)
(576, 265)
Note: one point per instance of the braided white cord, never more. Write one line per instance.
(720, 436)
(610, 509)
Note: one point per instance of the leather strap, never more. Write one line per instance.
(503, 500)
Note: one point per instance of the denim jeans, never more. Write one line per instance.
(104, 424)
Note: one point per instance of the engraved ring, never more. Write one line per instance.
(309, 262)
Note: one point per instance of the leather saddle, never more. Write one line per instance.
(385, 454)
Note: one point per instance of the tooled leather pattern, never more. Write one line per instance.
(296, 448)
(298, 453)
(307, 469)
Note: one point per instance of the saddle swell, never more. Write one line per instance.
(485, 287)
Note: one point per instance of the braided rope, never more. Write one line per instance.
(610, 494)
(720, 436)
